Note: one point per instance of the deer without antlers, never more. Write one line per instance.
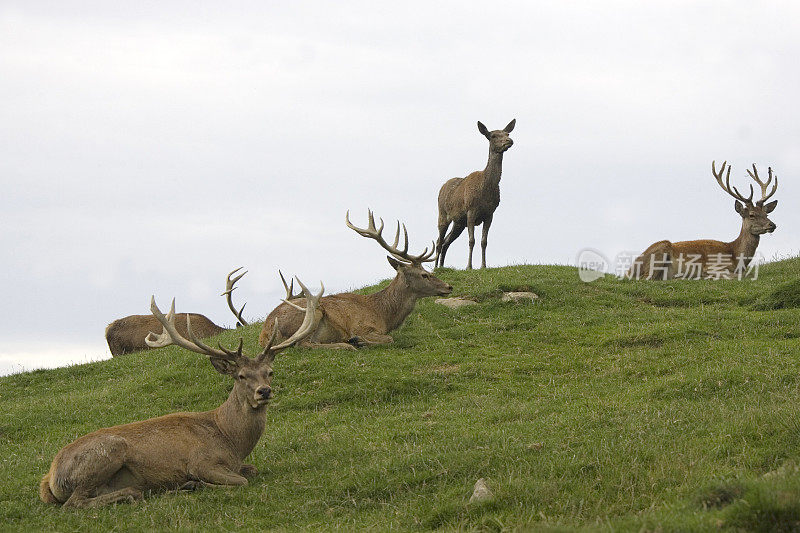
(471, 201)
(352, 320)
(709, 258)
(179, 450)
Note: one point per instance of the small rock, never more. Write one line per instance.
(455, 303)
(519, 296)
(481, 493)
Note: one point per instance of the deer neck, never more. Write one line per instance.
(395, 302)
(493, 170)
(745, 244)
(240, 423)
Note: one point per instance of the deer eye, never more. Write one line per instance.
(269, 374)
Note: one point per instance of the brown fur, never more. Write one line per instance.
(127, 334)
(350, 320)
(668, 260)
(471, 201)
(179, 450)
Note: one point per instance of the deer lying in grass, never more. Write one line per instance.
(127, 334)
(471, 201)
(351, 320)
(179, 450)
(709, 258)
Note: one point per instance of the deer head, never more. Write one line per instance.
(499, 141)
(409, 267)
(252, 375)
(754, 215)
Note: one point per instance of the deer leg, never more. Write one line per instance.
(440, 241)
(487, 222)
(81, 498)
(455, 231)
(371, 339)
(216, 475)
(471, 233)
(248, 470)
(97, 472)
(329, 345)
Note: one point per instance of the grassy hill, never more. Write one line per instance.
(612, 405)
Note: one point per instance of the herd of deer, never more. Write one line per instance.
(186, 451)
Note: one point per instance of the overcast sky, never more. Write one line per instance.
(151, 147)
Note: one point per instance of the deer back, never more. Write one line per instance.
(127, 334)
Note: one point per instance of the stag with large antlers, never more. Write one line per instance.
(709, 258)
(472, 201)
(179, 450)
(351, 320)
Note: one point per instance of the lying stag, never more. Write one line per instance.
(471, 201)
(127, 334)
(179, 450)
(708, 258)
(351, 320)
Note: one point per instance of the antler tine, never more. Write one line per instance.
(376, 235)
(229, 288)
(733, 191)
(170, 334)
(310, 320)
(764, 185)
(397, 238)
(272, 337)
(237, 353)
(221, 352)
(289, 288)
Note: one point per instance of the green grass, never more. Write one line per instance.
(613, 405)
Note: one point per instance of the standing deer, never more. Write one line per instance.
(709, 258)
(351, 320)
(127, 334)
(179, 450)
(471, 201)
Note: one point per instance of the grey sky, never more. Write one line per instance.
(154, 147)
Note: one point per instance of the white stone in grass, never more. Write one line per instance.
(455, 303)
(519, 296)
(481, 493)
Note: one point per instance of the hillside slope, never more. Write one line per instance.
(607, 405)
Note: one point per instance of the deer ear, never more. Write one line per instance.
(394, 262)
(739, 206)
(770, 206)
(224, 366)
(483, 129)
(510, 127)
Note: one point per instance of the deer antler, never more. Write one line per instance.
(375, 233)
(229, 288)
(170, 333)
(289, 288)
(307, 327)
(764, 185)
(733, 191)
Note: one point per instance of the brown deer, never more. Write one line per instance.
(126, 335)
(351, 320)
(471, 201)
(179, 450)
(709, 258)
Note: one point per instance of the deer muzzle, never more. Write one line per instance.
(263, 394)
